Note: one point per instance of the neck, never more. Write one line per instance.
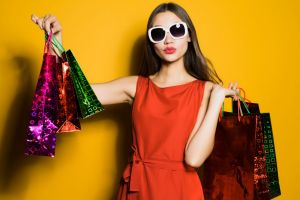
(172, 72)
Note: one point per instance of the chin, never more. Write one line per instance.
(170, 59)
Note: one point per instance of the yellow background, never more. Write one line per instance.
(253, 42)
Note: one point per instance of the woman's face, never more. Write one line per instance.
(170, 50)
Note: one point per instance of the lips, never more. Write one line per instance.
(169, 50)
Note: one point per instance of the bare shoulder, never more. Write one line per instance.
(209, 84)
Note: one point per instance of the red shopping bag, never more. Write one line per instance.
(269, 148)
(67, 119)
(87, 101)
(236, 168)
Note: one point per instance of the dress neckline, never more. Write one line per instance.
(171, 86)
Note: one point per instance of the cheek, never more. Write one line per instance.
(158, 48)
(183, 48)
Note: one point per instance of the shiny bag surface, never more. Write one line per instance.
(41, 129)
(236, 168)
(272, 169)
(87, 99)
(229, 170)
(269, 149)
(67, 115)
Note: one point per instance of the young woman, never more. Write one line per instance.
(176, 100)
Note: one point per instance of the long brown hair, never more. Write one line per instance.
(194, 61)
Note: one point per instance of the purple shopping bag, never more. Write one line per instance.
(42, 128)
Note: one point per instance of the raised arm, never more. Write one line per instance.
(120, 90)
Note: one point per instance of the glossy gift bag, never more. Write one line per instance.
(272, 169)
(269, 146)
(41, 130)
(87, 101)
(67, 115)
(236, 168)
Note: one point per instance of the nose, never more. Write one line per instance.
(168, 39)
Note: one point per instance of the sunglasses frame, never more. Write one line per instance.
(167, 30)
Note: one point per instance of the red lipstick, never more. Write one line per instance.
(169, 50)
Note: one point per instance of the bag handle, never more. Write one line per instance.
(47, 43)
(240, 112)
(246, 100)
(56, 43)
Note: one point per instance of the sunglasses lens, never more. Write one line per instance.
(157, 34)
(177, 30)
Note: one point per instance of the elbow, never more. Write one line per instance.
(193, 162)
(197, 161)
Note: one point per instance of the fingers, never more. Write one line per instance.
(235, 91)
(48, 20)
(37, 20)
(47, 23)
(56, 27)
(233, 86)
(34, 18)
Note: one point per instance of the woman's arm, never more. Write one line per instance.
(121, 90)
(201, 143)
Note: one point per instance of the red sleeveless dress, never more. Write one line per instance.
(162, 120)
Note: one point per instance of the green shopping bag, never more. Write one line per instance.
(86, 98)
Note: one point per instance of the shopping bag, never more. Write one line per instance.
(86, 98)
(246, 105)
(269, 147)
(41, 129)
(67, 115)
(272, 170)
(236, 168)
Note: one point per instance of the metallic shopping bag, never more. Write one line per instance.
(86, 98)
(269, 149)
(229, 170)
(67, 119)
(236, 168)
(272, 169)
(41, 129)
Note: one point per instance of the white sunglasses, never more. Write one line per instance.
(158, 34)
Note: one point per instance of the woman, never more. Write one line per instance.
(176, 102)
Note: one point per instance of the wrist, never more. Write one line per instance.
(59, 36)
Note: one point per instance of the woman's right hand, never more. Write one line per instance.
(49, 23)
(232, 91)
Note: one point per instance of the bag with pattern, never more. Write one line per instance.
(41, 130)
(87, 101)
(236, 168)
(67, 119)
(269, 146)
